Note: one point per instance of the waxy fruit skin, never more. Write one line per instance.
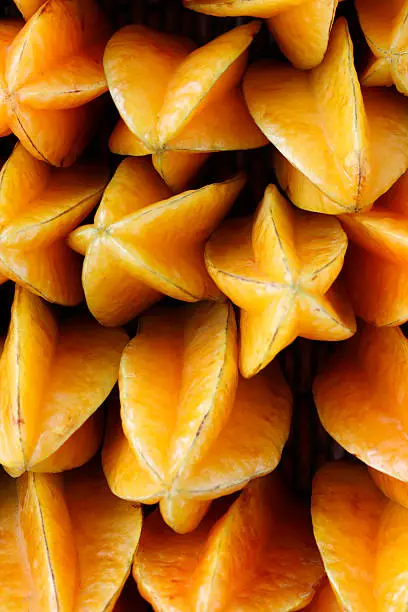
(50, 76)
(190, 429)
(146, 243)
(258, 554)
(330, 134)
(362, 538)
(53, 378)
(179, 103)
(279, 269)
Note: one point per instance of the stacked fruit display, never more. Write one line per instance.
(154, 300)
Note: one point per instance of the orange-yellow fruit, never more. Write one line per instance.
(259, 555)
(144, 243)
(330, 135)
(324, 600)
(301, 28)
(360, 395)
(191, 431)
(176, 102)
(362, 538)
(67, 542)
(53, 377)
(39, 206)
(279, 268)
(384, 25)
(397, 490)
(51, 71)
(375, 265)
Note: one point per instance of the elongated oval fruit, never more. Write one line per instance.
(51, 74)
(279, 268)
(330, 134)
(177, 103)
(190, 430)
(67, 542)
(53, 378)
(259, 554)
(145, 243)
(362, 538)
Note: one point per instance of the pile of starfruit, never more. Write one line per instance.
(175, 212)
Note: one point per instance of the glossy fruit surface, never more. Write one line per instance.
(360, 395)
(39, 206)
(53, 377)
(384, 25)
(362, 538)
(67, 542)
(279, 268)
(258, 555)
(330, 135)
(50, 71)
(176, 102)
(190, 429)
(375, 268)
(145, 243)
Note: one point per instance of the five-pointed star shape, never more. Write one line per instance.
(176, 103)
(279, 269)
(144, 243)
(49, 71)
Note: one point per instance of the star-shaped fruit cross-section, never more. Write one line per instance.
(375, 268)
(361, 396)
(49, 73)
(176, 103)
(258, 555)
(330, 134)
(144, 244)
(388, 43)
(39, 206)
(191, 430)
(67, 542)
(279, 268)
(301, 28)
(362, 538)
(53, 377)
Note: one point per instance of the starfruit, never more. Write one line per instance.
(279, 268)
(375, 265)
(176, 103)
(330, 134)
(39, 206)
(384, 25)
(53, 377)
(144, 243)
(324, 600)
(362, 538)
(49, 73)
(190, 430)
(67, 542)
(301, 28)
(259, 555)
(360, 395)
